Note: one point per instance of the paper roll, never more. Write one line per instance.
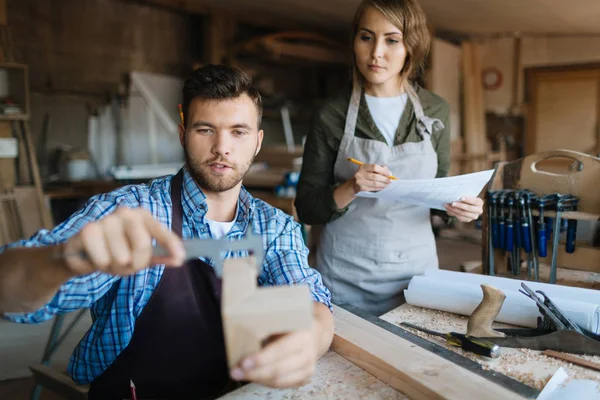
(552, 291)
(463, 297)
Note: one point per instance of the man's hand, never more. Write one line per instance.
(121, 244)
(289, 360)
(467, 209)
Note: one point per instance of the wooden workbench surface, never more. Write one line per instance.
(334, 378)
(527, 366)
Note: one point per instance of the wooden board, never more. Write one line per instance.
(334, 378)
(527, 366)
(575, 92)
(406, 367)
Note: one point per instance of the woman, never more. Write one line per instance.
(369, 249)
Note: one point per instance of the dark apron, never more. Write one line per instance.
(177, 350)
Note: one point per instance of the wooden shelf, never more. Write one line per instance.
(14, 117)
(578, 215)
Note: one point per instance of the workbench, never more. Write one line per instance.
(375, 367)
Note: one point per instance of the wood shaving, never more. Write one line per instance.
(530, 367)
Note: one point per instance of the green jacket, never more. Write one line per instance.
(314, 198)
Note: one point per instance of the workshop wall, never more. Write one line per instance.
(78, 52)
(535, 52)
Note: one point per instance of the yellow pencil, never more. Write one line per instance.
(352, 160)
(181, 113)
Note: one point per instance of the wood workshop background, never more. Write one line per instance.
(103, 76)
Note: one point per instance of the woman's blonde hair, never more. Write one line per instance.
(409, 18)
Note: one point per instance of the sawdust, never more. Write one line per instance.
(530, 367)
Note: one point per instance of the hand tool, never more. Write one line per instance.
(555, 331)
(472, 344)
(211, 248)
(492, 231)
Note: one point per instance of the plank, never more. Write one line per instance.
(412, 370)
(37, 181)
(334, 377)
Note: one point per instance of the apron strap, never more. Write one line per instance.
(177, 214)
(425, 125)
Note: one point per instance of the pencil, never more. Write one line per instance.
(132, 390)
(181, 113)
(352, 160)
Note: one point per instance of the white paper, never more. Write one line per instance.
(551, 290)
(462, 298)
(575, 389)
(433, 193)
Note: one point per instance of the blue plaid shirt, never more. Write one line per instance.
(116, 302)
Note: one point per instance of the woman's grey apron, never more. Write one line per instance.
(368, 255)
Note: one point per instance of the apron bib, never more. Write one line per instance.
(177, 350)
(368, 255)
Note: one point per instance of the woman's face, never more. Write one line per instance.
(379, 50)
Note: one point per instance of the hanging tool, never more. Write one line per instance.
(474, 345)
(555, 331)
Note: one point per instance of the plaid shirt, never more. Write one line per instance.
(116, 302)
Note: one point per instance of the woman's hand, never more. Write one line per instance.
(371, 178)
(467, 209)
(368, 178)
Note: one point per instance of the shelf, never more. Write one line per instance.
(14, 117)
(578, 215)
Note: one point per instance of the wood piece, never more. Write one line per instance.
(480, 322)
(251, 314)
(37, 181)
(410, 369)
(475, 135)
(24, 169)
(573, 359)
(59, 383)
(334, 378)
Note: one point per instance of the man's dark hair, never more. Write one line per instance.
(219, 82)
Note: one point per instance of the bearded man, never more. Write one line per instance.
(156, 320)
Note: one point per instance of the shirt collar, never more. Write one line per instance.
(194, 201)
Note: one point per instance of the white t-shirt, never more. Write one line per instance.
(219, 229)
(386, 112)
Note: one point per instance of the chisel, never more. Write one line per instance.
(474, 345)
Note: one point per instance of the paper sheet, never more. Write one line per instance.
(433, 193)
(556, 389)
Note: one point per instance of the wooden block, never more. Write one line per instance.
(252, 314)
(406, 367)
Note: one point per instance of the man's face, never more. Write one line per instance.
(221, 141)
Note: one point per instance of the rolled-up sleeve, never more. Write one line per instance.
(80, 292)
(286, 263)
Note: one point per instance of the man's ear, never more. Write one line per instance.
(181, 130)
(261, 135)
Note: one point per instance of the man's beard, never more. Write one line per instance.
(201, 173)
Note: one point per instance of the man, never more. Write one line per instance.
(155, 323)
